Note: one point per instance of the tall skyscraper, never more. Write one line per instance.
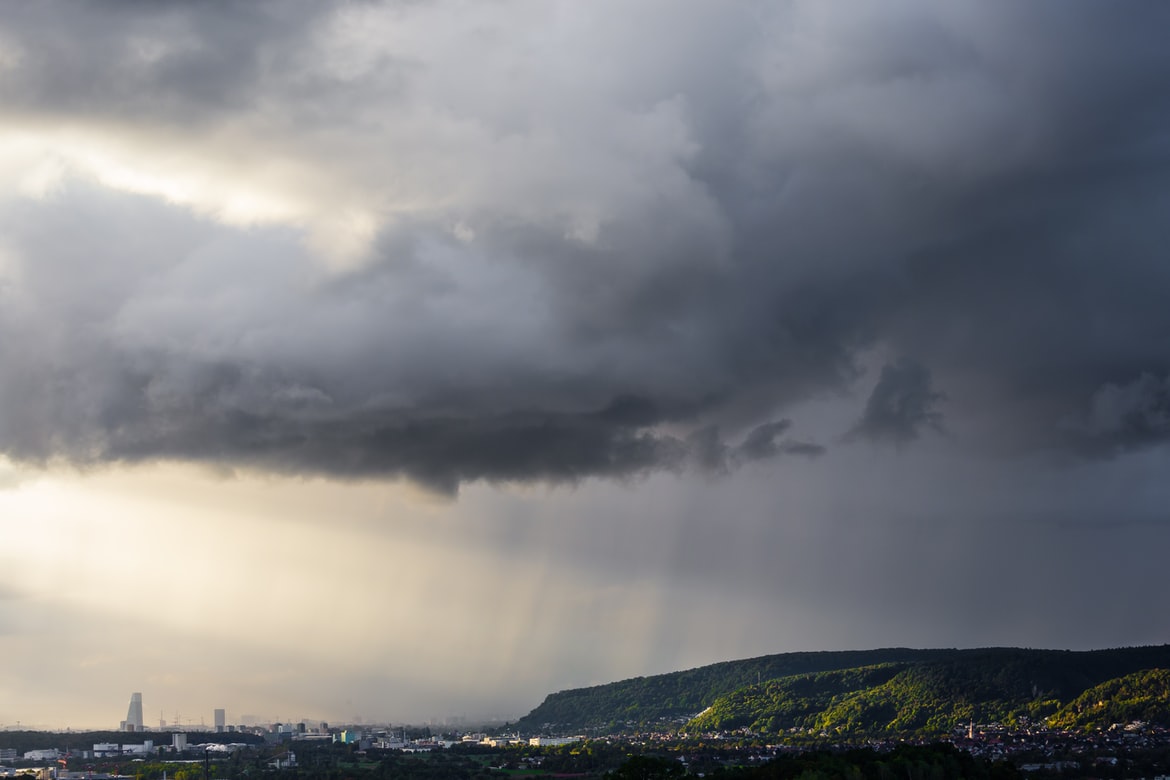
(220, 721)
(133, 720)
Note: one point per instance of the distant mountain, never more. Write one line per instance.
(893, 690)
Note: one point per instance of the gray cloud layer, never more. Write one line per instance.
(901, 405)
(585, 254)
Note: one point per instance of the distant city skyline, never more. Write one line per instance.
(220, 720)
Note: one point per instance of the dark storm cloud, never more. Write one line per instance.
(1140, 408)
(589, 265)
(901, 405)
(438, 452)
(762, 443)
(1126, 416)
(706, 449)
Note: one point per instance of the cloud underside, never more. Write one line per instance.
(901, 405)
(442, 453)
(293, 237)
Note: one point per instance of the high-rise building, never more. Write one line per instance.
(133, 720)
(220, 721)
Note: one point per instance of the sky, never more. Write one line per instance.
(399, 361)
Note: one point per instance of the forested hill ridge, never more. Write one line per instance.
(892, 690)
(644, 700)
